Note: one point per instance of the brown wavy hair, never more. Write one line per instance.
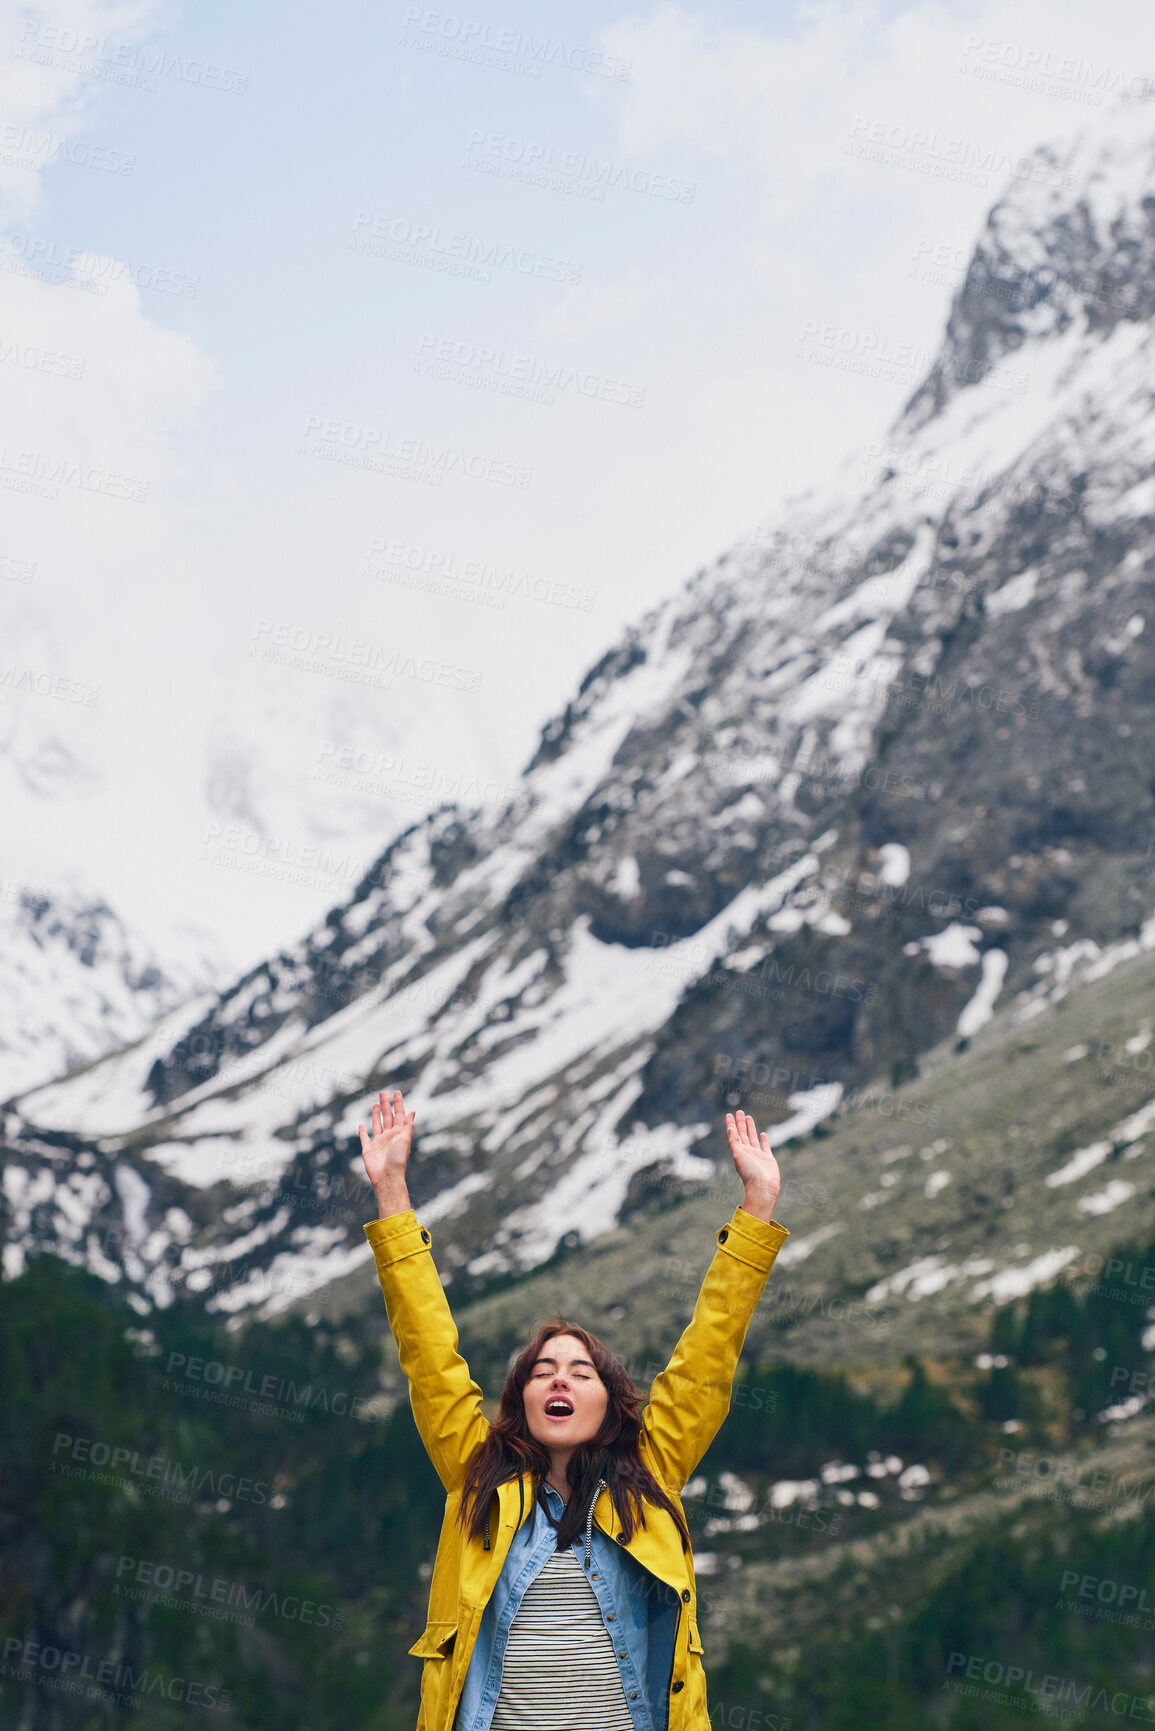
(612, 1454)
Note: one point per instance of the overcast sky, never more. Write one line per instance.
(378, 293)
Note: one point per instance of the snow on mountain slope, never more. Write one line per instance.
(76, 982)
(945, 660)
(267, 804)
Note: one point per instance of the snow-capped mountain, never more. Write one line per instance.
(885, 766)
(78, 982)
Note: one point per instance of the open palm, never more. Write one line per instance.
(753, 1159)
(386, 1151)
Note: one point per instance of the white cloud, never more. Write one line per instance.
(44, 95)
(94, 390)
(788, 105)
(703, 304)
(786, 121)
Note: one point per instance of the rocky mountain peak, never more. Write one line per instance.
(882, 772)
(1070, 243)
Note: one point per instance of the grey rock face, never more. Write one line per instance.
(809, 818)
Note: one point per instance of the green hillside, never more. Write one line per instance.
(237, 1523)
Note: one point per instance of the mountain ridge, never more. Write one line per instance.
(934, 675)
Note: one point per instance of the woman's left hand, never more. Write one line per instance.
(755, 1165)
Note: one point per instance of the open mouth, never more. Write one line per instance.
(559, 1407)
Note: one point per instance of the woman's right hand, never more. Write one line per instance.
(386, 1152)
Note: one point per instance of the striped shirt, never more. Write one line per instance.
(561, 1670)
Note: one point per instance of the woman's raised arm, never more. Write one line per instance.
(445, 1399)
(690, 1399)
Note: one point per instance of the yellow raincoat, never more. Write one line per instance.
(687, 1405)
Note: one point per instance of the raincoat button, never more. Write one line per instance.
(678, 1685)
(686, 1595)
(723, 1234)
(424, 1236)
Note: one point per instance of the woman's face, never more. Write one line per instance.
(565, 1398)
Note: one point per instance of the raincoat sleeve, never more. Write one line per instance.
(445, 1399)
(691, 1397)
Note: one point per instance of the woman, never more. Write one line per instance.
(563, 1593)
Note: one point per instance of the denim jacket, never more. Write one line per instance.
(638, 1610)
